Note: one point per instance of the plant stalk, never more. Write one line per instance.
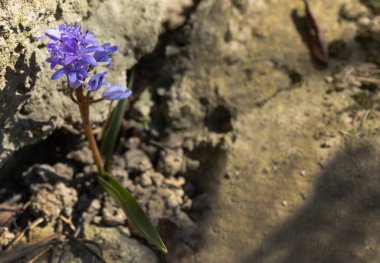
(84, 108)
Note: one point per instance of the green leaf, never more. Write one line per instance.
(133, 211)
(112, 128)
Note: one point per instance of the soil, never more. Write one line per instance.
(242, 147)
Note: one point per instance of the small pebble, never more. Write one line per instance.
(364, 21)
(329, 79)
(145, 179)
(177, 182)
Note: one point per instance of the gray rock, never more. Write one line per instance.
(174, 200)
(171, 162)
(132, 143)
(68, 197)
(161, 197)
(6, 236)
(90, 215)
(50, 194)
(50, 203)
(145, 179)
(118, 247)
(113, 244)
(118, 163)
(83, 155)
(112, 214)
(137, 161)
(157, 178)
(64, 171)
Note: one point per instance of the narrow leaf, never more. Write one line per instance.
(112, 128)
(133, 211)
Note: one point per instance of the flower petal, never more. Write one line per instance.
(53, 34)
(96, 81)
(106, 84)
(59, 73)
(38, 38)
(72, 77)
(69, 59)
(89, 59)
(53, 60)
(117, 92)
(89, 36)
(76, 84)
(108, 62)
(93, 49)
(112, 49)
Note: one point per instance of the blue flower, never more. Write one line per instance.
(117, 92)
(104, 55)
(77, 52)
(76, 73)
(69, 45)
(96, 82)
(59, 33)
(56, 55)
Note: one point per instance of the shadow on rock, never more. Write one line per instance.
(340, 223)
(19, 80)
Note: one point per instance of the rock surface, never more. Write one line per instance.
(299, 180)
(118, 247)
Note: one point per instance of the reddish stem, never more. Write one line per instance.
(83, 103)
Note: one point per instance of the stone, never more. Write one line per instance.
(117, 246)
(137, 161)
(171, 162)
(5, 236)
(118, 163)
(176, 182)
(132, 143)
(112, 214)
(124, 230)
(83, 155)
(92, 211)
(68, 197)
(90, 169)
(157, 178)
(45, 204)
(50, 201)
(174, 200)
(114, 243)
(64, 170)
(145, 179)
(156, 207)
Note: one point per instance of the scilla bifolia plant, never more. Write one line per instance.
(77, 54)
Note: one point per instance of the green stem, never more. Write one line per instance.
(84, 108)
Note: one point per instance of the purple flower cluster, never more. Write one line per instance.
(77, 53)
